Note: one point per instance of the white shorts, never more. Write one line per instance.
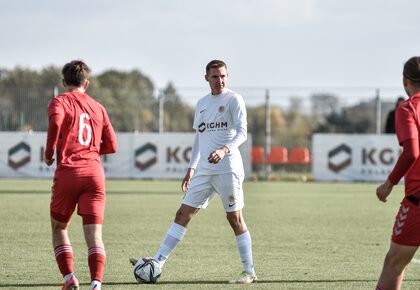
(203, 188)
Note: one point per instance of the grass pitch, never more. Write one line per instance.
(305, 236)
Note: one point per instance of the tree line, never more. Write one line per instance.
(132, 103)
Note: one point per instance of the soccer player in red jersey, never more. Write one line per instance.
(79, 131)
(405, 238)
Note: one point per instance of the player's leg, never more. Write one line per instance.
(404, 243)
(63, 202)
(395, 262)
(229, 186)
(244, 245)
(175, 233)
(96, 253)
(198, 196)
(92, 210)
(63, 253)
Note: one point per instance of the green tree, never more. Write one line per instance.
(355, 119)
(178, 116)
(25, 94)
(129, 99)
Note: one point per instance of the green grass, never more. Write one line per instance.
(305, 236)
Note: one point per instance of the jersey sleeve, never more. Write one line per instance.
(55, 120)
(405, 123)
(109, 139)
(239, 116)
(405, 161)
(195, 122)
(195, 152)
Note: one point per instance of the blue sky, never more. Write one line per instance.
(266, 43)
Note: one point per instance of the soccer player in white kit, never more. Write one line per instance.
(215, 167)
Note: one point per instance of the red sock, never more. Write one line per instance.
(64, 258)
(96, 260)
(379, 287)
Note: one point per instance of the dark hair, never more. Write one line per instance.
(75, 73)
(399, 100)
(412, 70)
(215, 64)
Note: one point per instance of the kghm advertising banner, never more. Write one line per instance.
(140, 155)
(354, 157)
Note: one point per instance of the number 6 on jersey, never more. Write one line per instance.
(82, 127)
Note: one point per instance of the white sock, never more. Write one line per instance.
(174, 235)
(244, 244)
(95, 285)
(69, 276)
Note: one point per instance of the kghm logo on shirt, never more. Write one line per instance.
(213, 126)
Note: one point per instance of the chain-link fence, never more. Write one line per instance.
(281, 120)
(23, 109)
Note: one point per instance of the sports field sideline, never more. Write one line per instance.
(305, 236)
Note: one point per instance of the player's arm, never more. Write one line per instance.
(405, 161)
(407, 134)
(238, 111)
(192, 166)
(55, 120)
(109, 139)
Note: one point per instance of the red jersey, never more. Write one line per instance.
(408, 127)
(79, 130)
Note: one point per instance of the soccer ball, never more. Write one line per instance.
(147, 271)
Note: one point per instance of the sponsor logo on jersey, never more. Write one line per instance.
(213, 126)
(221, 109)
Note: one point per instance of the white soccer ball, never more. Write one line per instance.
(147, 271)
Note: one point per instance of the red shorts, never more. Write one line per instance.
(88, 193)
(406, 230)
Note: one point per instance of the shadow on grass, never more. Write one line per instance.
(202, 282)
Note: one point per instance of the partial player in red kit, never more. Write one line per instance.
(79, 131)
(406, 230)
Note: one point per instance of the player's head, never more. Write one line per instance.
(216, 75)
(75, 74)
(411, 75)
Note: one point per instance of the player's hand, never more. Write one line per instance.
(187, 179)
(49, 162)
(216, 155)
(384, 190)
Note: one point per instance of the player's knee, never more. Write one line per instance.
(58, 226)
(236, 222)
(182, 217)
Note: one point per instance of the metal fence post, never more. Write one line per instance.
(161, 99)
(378, 112)
(267, 145)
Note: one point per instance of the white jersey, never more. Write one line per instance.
(220, 120)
